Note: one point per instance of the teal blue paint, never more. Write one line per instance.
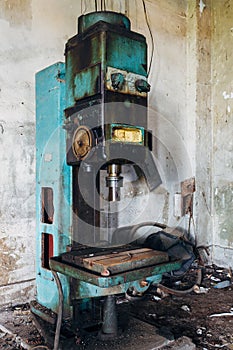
(83, 82)
(149, 273)
(52, 171)
(107, 47)
(88, 20)
(60, 87)
(126, 53)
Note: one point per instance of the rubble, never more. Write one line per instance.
(200, 320)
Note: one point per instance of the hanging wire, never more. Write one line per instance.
(96, 6)
(151, 35)
(104, 5)
(101, 3)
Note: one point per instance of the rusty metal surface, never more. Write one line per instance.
(124, 261)
(44, 313)
(106, 282)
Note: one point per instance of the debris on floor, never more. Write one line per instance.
(199, 320)
(17, 330)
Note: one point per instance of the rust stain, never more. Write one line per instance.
(8, 261)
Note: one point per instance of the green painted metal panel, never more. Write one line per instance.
(126, 53)
(87, 82)
(53, 173)
(88, 20)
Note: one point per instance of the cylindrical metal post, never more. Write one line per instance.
(110, 326)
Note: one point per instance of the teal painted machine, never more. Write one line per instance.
(91, 124)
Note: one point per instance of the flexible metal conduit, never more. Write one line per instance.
(143, 224)
(60, 310)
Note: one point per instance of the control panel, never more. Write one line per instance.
(126, 82)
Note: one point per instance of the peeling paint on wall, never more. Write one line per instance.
(202, 6)
(8, 260)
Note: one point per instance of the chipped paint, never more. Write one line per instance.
(8, 260)
(202, 6)
(227, 96)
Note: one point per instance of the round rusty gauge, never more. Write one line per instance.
(82, 142)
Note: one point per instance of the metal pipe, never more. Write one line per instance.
(109, 327)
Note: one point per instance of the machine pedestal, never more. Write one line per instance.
(110, 325)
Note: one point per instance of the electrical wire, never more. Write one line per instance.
(96, 8)
(151, 35)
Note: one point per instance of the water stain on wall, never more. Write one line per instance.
(16, 12)
(224, 209)
(8, 260)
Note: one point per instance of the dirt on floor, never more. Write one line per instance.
(205, 316)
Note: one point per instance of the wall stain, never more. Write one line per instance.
(166, 207)
(16, 12)
(1, 129)
(8, 260)
(224, 208)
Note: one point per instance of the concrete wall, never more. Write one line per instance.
(222, 121)
(214, 128)
(32, 35)
(190, 115)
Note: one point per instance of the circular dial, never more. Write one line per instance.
(82, 142)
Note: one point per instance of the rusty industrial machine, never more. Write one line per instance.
(91, 133)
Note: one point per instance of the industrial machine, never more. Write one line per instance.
(91, 131)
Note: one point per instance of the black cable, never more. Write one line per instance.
(151, 35)
(96, 5)
(104, 5)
